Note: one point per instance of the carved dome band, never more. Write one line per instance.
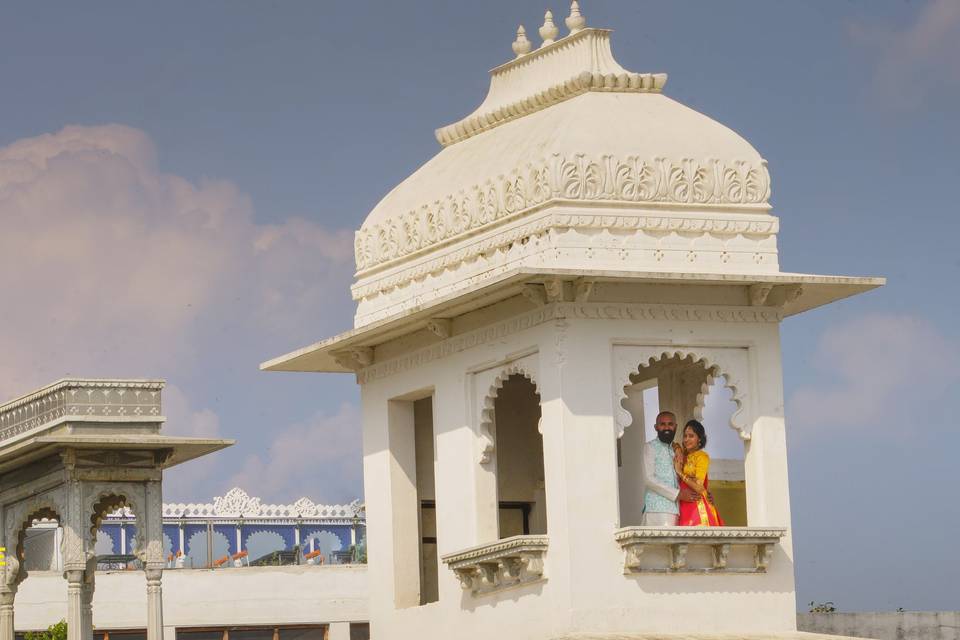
(656, 181)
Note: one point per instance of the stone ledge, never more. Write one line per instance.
(678, 540)
(500, 564)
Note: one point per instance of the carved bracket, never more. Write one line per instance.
(355, 358)
(678, 540)
(440, 327)
(729, 363)
(499, 565)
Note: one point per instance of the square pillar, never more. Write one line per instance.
(580, 460)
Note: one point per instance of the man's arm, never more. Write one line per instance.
(653, 484)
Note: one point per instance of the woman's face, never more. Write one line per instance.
(691, 442)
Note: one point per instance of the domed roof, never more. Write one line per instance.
(550, 114)
(575, 187)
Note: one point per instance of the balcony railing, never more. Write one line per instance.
(698, 549)
(500, 564)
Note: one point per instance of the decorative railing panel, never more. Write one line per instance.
(236, 503)
(499, 565)
(697, 549)
(83, 400)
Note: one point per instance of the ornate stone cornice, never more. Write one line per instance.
(655, 182)
(698, 533)
(500, 564)
(560, 311)
(496, 550)
(82, 399)
(458, 343)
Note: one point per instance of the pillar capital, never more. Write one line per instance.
(73, 576)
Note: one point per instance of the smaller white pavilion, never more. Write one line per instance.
(579, 239)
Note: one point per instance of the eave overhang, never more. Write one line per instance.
(817, 290)
(173, 450)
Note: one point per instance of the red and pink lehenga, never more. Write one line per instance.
(702, 513)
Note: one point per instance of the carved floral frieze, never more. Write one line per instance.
(500, 564)
(678, 540)
(684, 181)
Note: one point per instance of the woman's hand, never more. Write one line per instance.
(678, 466)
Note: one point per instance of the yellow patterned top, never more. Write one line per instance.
(695, 469)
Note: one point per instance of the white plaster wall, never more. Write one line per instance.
(201, 597)
(585, 588)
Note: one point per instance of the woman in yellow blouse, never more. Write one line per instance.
(692, 464)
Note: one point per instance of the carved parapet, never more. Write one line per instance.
(76, 400)
(499, 565)
(678, 543)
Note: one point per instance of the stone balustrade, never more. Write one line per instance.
(698, 549)
(500, 564)
(80, 399)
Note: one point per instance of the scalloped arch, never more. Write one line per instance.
(727, 363)
(487, 410)
(105, 500)
(18, 518)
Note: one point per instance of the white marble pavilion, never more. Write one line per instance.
(579, 238)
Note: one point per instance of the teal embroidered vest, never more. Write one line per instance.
(664, 472)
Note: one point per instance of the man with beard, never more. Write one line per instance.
(662, 491)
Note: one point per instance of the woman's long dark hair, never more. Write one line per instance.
(699, 430)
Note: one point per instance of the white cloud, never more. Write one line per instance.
(112, 268)
(320, 457)
(877, 370)
(186, 420)
(915, 61)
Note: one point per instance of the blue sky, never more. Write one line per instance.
(179, 184)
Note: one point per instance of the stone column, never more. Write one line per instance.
(74, 552)
(7, 596)
(153, 557)
(86, 598)
(8, 592)
(75, 617)
(154, 602)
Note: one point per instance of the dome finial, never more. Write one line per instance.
(521, 46)
(548, 31)
(575, 21)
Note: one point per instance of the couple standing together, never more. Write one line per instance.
(677, 491)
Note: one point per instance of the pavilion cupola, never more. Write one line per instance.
(572, 162)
